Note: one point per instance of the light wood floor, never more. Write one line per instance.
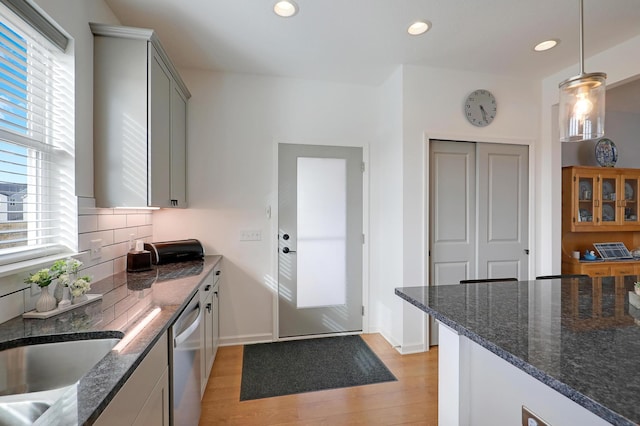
(412, 400)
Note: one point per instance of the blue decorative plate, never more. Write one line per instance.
(606, 153)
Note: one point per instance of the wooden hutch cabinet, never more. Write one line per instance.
(599, 205)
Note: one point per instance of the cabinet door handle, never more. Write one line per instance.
(218, 272)
(215, 293)
(208, 307)
(207, 287)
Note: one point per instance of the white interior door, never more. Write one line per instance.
(478, 206)
(452, 210)
(452, 214)
(319, 240)
(503, 212)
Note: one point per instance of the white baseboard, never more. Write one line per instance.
(402, 349)
(246, 339)
(412, 349)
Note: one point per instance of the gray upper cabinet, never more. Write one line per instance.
(140, 120)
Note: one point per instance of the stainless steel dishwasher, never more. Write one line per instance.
(185, 377)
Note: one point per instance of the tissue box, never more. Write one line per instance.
(138, 261)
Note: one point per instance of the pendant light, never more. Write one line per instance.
(582, 101)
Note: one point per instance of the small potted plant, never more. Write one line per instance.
(46, 302)
(636, 287)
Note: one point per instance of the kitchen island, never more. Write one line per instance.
(567, 350)
(127, 299)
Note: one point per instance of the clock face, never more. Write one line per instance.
(480, 108)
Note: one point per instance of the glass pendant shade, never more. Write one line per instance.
(582, 107)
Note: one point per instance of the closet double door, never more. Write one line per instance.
(478, 211)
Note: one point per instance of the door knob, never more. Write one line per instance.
(286, 250)
(285, 237)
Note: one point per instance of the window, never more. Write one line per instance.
(37, 203)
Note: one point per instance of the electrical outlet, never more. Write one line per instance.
(254, 235)
(529, 418)
(96, 249)
(132, 242)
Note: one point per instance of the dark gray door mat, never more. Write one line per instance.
(284, 368)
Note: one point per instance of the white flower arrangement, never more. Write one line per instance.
(65, 267)
(42, 278)
(65, 271)
(80, 286)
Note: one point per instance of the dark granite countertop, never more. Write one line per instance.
(578, 336)
(127, 298)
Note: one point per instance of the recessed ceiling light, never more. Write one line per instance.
(546, 45)
(419, 27)
(285, 8)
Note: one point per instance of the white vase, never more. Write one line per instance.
(57, 292)
(66, 298)
(79, 299)
(46, 302)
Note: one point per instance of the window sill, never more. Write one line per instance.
(31, 264)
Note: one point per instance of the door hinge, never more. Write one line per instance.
(363, 310)
(362, 238)
(362, 167)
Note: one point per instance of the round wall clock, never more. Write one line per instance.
(480, 108)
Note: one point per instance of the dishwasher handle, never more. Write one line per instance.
(182, 337)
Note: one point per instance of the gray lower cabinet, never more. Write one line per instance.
(140, 116)
(144, 398)
(209, 296)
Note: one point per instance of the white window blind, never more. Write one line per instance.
(37, 203)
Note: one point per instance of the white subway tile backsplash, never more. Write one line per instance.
(145, 231)
(87, 223)
(123, 234)
(136, 219)
(114, 251)
(112, 221)
(106, 211)
(100, 271)
(11, 305)
(84, 240)
(119, 264)
(114, 227)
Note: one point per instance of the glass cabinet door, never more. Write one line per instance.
(609, 198)
(630, 203)
(585, 200)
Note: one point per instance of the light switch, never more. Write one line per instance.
(253, 235)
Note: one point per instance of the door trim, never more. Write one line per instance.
(271, 212)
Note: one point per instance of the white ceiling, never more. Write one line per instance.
(363, 41)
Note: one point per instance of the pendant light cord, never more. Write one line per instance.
(581, 38)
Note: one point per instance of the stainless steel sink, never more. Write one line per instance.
(33, 377)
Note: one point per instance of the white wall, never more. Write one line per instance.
(433, 101)
(386, 214)
(235, 121)
(621, 63)
(234, 124)
(623, 128)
